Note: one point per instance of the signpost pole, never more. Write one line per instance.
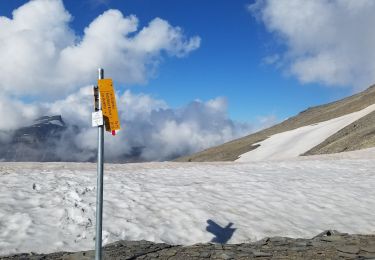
(99, 194)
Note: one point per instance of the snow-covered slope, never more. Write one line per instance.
(46, 207)
(355, 136)
(293, 143)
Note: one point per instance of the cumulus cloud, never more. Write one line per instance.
(16, 113)
(150, 129)
(153, 131)
(42, 55)
(327, 41)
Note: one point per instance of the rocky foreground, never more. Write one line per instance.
(327, 245)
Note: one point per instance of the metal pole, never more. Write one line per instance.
(99, 194)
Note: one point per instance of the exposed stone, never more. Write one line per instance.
(347, 256)
(194, 254)
(227, 255)
(171, 252)
(300, 244)
(278, 239)
(261, 254)
(218, 246)
(263, 241)
(369, 248)
(348, 249)
(245, 249)
(205, 254)
(298, 249)
(331, 238)
(367, 256)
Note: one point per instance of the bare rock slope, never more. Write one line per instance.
(327, 245)
(358, 135)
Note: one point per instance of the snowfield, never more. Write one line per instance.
(47, 207)
(293, 143)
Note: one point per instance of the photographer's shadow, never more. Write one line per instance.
(222, 234)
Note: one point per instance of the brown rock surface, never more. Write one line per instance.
(327, 245)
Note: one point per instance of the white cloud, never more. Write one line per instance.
(163, 133)
(327, 41)
(150, 129)
(41, 55)
(15, 113)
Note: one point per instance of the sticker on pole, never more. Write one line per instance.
(97, 118)
(109, 107)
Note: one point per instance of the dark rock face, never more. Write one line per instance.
(44, 128)
(50, 139)
(35, 142)
(327, 245)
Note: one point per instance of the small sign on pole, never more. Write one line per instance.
(109, 107)
(97, 118)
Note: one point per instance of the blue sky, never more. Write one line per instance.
(189, 74)
(228, 62)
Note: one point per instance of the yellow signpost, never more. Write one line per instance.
(108, 102)
(105, 110)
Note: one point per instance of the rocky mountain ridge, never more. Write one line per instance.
(35, 142)
(359, 135)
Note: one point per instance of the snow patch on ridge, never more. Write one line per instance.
(293, 143)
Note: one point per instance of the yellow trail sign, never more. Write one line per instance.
(109, 108)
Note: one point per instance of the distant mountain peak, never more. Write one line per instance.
(55, 119)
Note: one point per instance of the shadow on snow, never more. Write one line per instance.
(222, 234)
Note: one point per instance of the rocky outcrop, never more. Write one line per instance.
(327, 245)
(356, 136)
(35, 142)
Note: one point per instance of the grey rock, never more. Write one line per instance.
(300, 244)
(367, 256)
(347, 256)
(298, 249)
(171, 252)
(194, 253)
(226, 255)
(262, 242)
(218, 246)
(261, 254)
(331, 238)
(278, 239)
(348, 249)
(369, 248)
(345, 248)
(205, 254)
(245, 249)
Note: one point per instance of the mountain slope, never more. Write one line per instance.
(358, 135)
(35, 142)
(232, 150)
